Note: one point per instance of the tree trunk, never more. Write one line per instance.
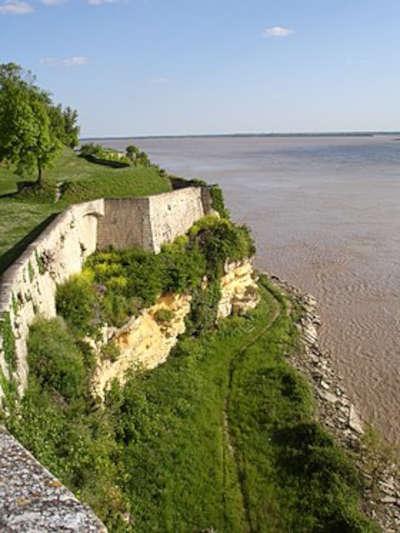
(39, 178)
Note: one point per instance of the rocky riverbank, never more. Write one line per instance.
(375, 459)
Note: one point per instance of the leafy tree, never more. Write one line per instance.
(32, 128)
(71, 128)
(132, 152)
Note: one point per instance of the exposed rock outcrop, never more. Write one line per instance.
(239, 291)
(144, 342)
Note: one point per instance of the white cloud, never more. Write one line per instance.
(74, 61)
(15, 7)
(53, 2)
(277, 31)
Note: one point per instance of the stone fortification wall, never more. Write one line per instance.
(28, 287)
(172, 215)
(33, 500)
(151, 221)
(126, 223)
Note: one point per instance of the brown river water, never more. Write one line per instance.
(325, 212)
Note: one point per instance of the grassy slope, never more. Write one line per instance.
(219, 438)
(20, 215)
(222, 438)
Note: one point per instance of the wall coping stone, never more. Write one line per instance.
(33, 500)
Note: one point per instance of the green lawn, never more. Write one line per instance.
(24, 214)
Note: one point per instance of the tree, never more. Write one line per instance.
(32, 128)
(132, 152)
(71, 128)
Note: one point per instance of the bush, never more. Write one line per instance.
(203, 309)
(96, 153)
(116, 285)
(220, 240)
(217, 201)
(163, 316)
(138, 157)
(77, 303)
(55, 359)
(110, 352)
(91, 149)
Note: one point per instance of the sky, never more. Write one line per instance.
(158, 67)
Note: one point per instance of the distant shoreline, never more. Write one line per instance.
(247, 135)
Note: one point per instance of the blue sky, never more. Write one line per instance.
(143, 67)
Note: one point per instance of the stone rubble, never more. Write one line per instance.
(337, 413)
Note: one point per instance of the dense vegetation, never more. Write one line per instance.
(132, 156)
(221, 437)
(115, 285)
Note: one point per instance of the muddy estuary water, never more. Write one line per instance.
(326, 216)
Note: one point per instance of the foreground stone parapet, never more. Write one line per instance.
(33, 500)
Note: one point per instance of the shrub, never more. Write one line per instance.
(217, 201)
(203, 309)
(55, 359)
(220, 240)
(77, 303)
(91, 149)
(183, 270)
(110, 352)
(163, 316)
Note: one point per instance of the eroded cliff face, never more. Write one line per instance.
(146, 342)
(239, 292)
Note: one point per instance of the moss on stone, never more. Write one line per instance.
(7, 335)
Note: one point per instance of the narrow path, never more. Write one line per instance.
(229, 438)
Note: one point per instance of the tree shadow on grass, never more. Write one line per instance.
(13, 253)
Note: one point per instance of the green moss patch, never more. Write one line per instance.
(8, 338)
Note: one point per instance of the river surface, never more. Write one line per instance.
(325, 213)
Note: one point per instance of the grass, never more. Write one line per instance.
(222, 438)
(219, 438)
(22, 214)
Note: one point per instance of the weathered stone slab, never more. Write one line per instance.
(33, 500)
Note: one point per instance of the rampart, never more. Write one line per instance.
(31, 499)
(28, 287)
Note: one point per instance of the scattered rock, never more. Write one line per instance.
(339, 415)
(388, 499)
(328, 396)
(355, 421)
(325, 385)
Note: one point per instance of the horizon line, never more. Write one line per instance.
(355, 133)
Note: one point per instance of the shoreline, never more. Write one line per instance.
(335, 411)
